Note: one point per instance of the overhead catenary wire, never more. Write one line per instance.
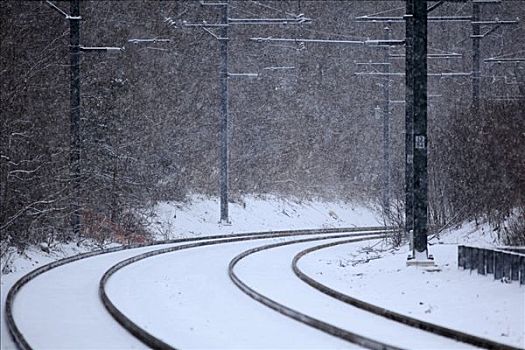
(332, 41)
(258, 3)
(401, 19)
(62, 12)
(402, 74)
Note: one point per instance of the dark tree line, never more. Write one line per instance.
(484, 167)
(150, 116)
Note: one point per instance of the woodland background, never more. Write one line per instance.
(150, 114)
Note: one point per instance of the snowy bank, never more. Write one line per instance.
(450, 297)
(200, 216)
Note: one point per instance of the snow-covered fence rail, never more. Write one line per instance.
(520, 250)
(508, 264)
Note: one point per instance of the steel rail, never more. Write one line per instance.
(156, 343)
(17, 335)
(398, 317)
(296, 315)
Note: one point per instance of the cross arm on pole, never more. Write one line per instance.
(402, 74)
(496, 25)
(251, 21)
(298, 40)
(330, 41)
(431, 55)
(152, 40)
(275, 68)
(496, 22)
(300, 19)
(203, 3)
(504, 60)
(403, 18)
(100, 48)
(373, 63)
(382, 42)
(245, 75)
(204, 24)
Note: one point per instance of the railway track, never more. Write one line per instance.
(345, 236)
(18, 336)
(148, 338)
(299, 316)
(404, 319)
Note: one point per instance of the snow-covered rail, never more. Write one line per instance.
(151, 340)
(344, 334)
(18, 336)
(407, 320)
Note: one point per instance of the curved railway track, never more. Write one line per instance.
(20, 340)
(299, 316)
(148, 338)
(353, 234)
(404, 319)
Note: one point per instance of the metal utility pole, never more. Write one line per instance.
(75, 50)
(224, 75)
(224, 124)
(386, 130)
(476, 38)
(74, 170)
(417, 70)
(409, 132)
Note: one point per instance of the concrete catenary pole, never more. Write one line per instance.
(409, 134)
(224, 123)
(419, 149)
(74, 53)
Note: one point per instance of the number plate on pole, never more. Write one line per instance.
(420, 142)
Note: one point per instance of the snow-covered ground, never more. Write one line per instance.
(450, 297)
(256, 213)
(169, 300)
(269, 273)
(193, 304)
(197, 217)
(457, 299)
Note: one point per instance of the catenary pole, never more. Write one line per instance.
(409, 90)
(224, 122)
(74, 170)
(386, 129)
(75, 146)
(476, 38)
(419, 145)
(224, 75)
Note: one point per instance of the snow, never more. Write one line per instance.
(197, 217)
(256, 213)
(450, 297)
(48, 308)
(19, 265)
(277, 281)
(193, 304)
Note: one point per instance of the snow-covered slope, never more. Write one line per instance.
(450, 297)
(457, 299)
(200, 216)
